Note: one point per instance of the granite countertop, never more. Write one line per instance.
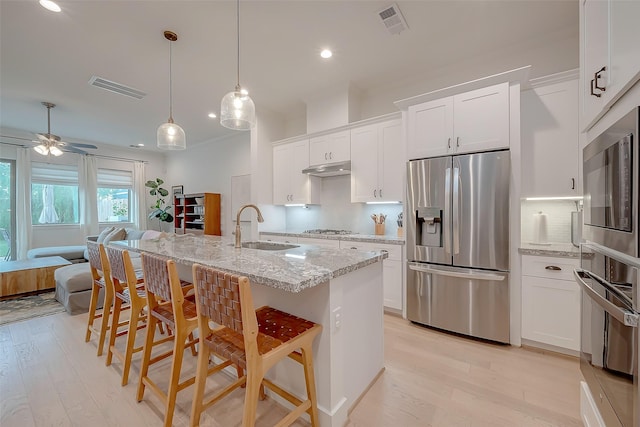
(565, 250)
(291, 270)
(373, 238)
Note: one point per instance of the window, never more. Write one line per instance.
(7, 209)
(54, 194)
(114, 195)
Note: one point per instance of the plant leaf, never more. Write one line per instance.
(163, 192)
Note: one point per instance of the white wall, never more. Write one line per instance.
(208, 168)
(337, 211)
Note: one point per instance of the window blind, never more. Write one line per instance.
(113, 178)
(45, 173)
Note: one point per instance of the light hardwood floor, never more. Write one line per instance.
(50, 377)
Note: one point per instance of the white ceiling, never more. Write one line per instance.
(47, 56)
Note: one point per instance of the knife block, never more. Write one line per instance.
(379, 229)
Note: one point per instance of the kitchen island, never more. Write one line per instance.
(340, 289)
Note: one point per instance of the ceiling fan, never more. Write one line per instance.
(50, 144)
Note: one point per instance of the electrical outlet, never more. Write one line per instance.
(337, 318)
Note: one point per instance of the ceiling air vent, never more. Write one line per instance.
(116, 87)
(392, 19)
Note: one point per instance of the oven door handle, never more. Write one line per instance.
(623, 316)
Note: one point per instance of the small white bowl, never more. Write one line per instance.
(199, 200)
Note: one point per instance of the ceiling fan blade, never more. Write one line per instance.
(76, 144)
(72, 150)
(42, 137)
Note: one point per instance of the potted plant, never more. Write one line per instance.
(157, 210)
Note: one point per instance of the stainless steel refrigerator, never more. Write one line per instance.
(458, 244)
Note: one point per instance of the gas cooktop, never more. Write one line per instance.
(326, 231)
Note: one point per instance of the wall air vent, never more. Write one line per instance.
(392, 19)
(116, 87)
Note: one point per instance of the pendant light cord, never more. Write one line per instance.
(238, 45)
(170, 83)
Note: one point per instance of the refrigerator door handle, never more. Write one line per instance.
(456, 210)
(446, 228)
(473, 275)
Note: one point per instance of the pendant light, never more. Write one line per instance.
(170, 135)
(237, 110)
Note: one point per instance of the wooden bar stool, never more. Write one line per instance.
(253, 340)
(101, 279)
(127, 290)
(167, 303)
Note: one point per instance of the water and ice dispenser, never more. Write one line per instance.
(429, 226)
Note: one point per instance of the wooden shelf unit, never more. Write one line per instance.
(191, 217)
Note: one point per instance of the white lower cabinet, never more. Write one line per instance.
(550, 301)
(391, 271)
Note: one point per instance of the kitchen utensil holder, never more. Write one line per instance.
(379, 229)
(400, 232)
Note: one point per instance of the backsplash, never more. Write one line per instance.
(558, 219)
(337, 211)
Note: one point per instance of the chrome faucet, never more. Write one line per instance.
(260, 219)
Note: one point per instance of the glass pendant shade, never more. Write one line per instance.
(171, 137)
(237, 111)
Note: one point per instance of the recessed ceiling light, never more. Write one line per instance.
(212, 115)
(326, 54)
(49, 5)
(141, 145)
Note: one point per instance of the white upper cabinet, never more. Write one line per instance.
(481, 119)
(290, 185)
(468, 122)
(610, 57)
(430, 128)
(377, 162)
(595, 56)
(331, 148)
(550, 141)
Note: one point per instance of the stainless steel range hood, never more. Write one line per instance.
(330, 169)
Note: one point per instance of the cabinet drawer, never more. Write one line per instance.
(549, 267)
(395, 251)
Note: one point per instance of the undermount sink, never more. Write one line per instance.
(268, 246)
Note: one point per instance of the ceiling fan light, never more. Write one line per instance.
(237, 111)
(171, 137)
(41, 149)
(55, 151)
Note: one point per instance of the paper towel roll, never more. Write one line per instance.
(540, 228)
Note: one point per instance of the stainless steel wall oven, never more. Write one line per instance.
(610, 272)
(609, 332)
